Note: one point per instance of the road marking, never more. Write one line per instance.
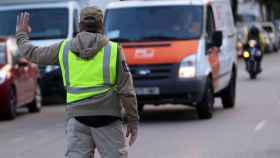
(260, 125)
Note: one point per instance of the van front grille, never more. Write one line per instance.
(151, 72)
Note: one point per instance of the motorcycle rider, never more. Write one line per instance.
(255, 34)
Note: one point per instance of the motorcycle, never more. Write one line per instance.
(251, 55)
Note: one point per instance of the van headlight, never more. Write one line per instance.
(187, 67)
(2, 77)
(51, 68)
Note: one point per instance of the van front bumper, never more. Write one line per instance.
(170, 91)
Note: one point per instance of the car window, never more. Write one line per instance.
(44, 26)
(246, 18)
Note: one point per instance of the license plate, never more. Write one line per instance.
(147, 91)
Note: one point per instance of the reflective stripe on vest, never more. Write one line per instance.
(81, 85)
(106, 71)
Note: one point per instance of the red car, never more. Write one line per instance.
(18, 81)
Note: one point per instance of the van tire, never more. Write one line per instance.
(140, 108)
(36, 104)
(228, 95)
(205, 107)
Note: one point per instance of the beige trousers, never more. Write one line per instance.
(83, 140)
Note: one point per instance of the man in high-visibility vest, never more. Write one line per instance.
(98, 85)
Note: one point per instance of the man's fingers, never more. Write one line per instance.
(133, 138)
(17, 19)
(21, 20)
(25, 18)
(127, 132)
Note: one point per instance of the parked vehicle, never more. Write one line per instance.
(18, 81)
(51, 83)
(271, 36)
(252, 57)
(51, 22)
(277, 26)
(187, 57)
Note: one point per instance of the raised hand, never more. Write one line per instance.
(23, 22)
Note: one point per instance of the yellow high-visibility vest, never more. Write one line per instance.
(88, 78)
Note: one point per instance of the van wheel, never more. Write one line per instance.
(228, 94)
(206, 107)
(140, 109)
(36, 104)
(12, 107)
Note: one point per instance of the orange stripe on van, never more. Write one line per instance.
(140, 53)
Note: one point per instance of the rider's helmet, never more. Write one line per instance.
(254, 31)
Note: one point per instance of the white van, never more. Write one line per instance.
(179, 51)
(102, 4)
(51, 22)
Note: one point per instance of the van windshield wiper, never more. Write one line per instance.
(44, 37)
(120, 39)
(159, 37)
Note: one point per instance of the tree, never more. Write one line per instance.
(272, 7)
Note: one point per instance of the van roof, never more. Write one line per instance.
(11, 2)
(151, 3)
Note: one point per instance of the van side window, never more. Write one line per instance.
(76, 22)
(210, 25)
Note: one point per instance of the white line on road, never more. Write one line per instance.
(260, 125)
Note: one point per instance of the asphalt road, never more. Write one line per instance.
(251, 130)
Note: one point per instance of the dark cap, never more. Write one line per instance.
(90, 14)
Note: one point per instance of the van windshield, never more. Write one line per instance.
(45, 23)
(154, 23)
(247, 18)
(2, 54)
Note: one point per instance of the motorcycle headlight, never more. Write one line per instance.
(246, 54)
(2, 77)
(187, 67)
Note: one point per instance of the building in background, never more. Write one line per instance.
(249, 11)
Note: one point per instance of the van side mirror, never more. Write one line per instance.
(217, 39)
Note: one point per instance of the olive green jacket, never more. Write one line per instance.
(86, 45)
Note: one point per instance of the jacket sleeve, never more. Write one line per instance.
(39, 55)
(126, 89)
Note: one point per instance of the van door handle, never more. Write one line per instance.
(231, 35)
